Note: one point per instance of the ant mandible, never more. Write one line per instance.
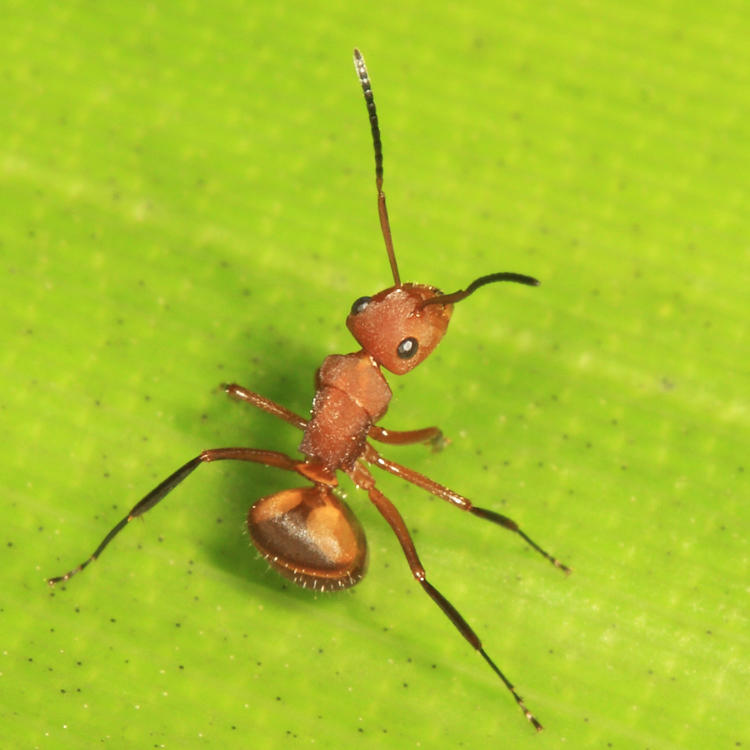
(308, 534)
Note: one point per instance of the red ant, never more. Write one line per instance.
(308, 534)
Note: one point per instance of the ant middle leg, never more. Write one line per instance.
(268, 458)
(362, 477)
(373, 457)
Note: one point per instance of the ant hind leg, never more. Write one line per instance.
(388, 510)
(269, 458)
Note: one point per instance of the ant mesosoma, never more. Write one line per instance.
(308, 534)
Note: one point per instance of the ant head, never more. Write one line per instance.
(400, 326)
(396, 328)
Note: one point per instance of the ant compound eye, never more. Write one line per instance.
(359, 305)
(407, 348)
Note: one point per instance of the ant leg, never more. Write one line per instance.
(388, 510)
(459, 501)
(430, 435)
(243, 394)
(269, 458)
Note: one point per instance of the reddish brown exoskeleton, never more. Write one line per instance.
(308, 534)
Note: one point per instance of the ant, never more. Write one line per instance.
(308, 534)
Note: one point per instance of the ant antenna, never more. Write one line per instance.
(449, 299)
(364, 78)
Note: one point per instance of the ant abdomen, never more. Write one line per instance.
(310, 536)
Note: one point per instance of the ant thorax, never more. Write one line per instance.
(351, 394)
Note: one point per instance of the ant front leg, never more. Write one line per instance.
(430, 435)
(373, 457)
(268, 458)
(362, 477)
(261, 402)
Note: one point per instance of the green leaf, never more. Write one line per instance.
(188, 199)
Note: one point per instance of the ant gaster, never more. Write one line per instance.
(308, 534)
